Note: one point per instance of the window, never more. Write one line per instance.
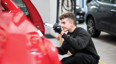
(3, 9)
(22, 6)
(114, 1)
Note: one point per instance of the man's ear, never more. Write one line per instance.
(72, 22)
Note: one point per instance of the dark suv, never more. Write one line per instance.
(101, 16)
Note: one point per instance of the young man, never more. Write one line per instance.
(77, 41)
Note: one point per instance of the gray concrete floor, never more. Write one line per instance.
(105, 45)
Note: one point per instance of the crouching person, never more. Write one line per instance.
(77, 41)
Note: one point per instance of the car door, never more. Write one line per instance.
(105, 14)
(113, 17)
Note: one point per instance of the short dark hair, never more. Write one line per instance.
(68, 15)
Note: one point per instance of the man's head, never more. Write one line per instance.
(67, 21)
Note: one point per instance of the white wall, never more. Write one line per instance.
(43, 6)
(53, 13)
(47, 10)
(79, 2)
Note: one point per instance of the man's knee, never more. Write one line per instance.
(67, 60)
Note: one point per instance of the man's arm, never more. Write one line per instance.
(64, 48)
(80, 41)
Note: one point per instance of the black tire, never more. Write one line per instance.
(91, 28)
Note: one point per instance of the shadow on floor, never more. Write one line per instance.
(49, 36)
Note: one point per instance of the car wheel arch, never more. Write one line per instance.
(89, 16)
(95, 34)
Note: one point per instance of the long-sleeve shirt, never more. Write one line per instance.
(78, 41)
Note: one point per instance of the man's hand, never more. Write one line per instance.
(57, 28)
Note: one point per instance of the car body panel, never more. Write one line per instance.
(34, 14)
(20, 41)
(103, 14)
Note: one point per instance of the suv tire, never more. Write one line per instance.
(91, 28)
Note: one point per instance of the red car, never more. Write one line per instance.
(22, 38)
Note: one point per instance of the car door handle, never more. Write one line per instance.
(113, 10)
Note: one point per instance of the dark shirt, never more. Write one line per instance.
(79, 41)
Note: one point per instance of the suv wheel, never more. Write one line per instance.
(91, 28)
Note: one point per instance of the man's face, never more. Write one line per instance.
(66, 24)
